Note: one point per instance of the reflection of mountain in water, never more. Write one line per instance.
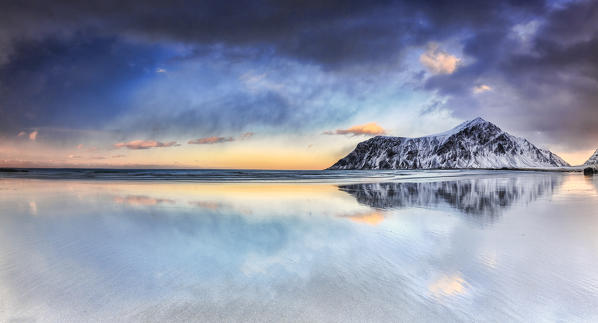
(476, 196)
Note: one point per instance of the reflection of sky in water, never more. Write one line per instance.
(499, 248)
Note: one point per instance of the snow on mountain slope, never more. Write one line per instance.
(473, 144)
(593, 160)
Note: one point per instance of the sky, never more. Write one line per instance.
(286, 84)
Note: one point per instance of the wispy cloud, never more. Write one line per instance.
(210, 140)
(256, 82)
(481, 88)
(368, 129)
(145, 144)
(438, 61)
(32, 135)
(246, 135)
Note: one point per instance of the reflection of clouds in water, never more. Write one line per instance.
(33, 207)
(448, 285)
(297, 256)
(176, 250)
(478, 196)
(488, 259)
(215, 206)
(141, 200)
(368, 217)
(212, 205)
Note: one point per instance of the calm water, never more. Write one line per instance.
(298, 246)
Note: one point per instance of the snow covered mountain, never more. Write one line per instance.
(593, 160)
(473, 144)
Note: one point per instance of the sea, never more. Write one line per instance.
(106, 245)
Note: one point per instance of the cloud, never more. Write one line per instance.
(246, 135)
(438, 61)
(145, 144)
(210, 140)
(160, 70)
(313, 31)
(368, 129)
(481, 88)
(259, 82)
(58, 83)
(202, 110)
(88, 55)
(33, 135)
(251, 80)
(541, 57)
(548, 79)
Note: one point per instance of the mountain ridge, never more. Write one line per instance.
(475, 143)
(593, 160)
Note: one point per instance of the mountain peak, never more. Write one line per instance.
(477, 120)
(473, 122)
(465, 125)
(475, 143)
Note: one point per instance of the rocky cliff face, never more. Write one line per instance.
(473, 144)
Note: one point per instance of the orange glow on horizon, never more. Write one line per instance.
(293, 153)
(216, 156)
(576, 158)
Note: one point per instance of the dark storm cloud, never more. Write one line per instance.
(79, 83)
(326, 32)
(549, 87)
(552, 87)
(564, 64)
